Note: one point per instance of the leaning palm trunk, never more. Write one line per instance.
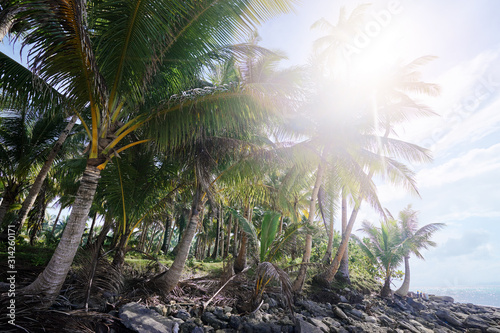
(37, 185)
(405, 287)
(299, 281)
(343, 272)
(329, 274)
(241, 260)
(168, 280)
(49, 282)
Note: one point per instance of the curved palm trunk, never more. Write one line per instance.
(386, 289)
(166, 281)
(119, 257)
(8, 198)
(37, 185)
(329, 274)
(49, 282)
(301, 277)
(241, 260)
(166, 236)
(405, 287)
(343, 272)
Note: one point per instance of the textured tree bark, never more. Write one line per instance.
(217, 238)
(49, 282)
(165, 245)
(301, 277)
(8, 198)
(330, 272)
(166, 281)
(405, 287)
(228, 239)
(241, 260)
(37, 185)
(57, 220)
(386, 289)
(343, 272)
(235, 242)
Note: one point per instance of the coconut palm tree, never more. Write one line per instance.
(384, 249)
(103, 59)
(26, 138)
(388, 103)
(414, 239)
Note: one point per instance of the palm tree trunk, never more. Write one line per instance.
(119, 257)
(166, 237)
(228, 239)
(331, 233)
(57, 220)
(299, 281)
(343, 272)
(50, 281)
(405, 287)
(222, 238)
(329, 274)
(37, 185)
(8, 198)
(217, 239)
(386, 289)
(241, 260)
(166, 281)
(235, 241)
(89, 237)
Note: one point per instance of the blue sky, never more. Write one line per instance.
(462, 186)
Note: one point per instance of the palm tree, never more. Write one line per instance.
(25, 140)
(384, 249)
(386, 104)
(413, 241)
(103, 59)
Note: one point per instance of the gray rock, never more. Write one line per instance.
(221, 314)
(357, 313)
(448, 317)
(235, 321)
(339, 313)
(314, 308)
(210, 319)
(495, 329)
(475, 321)
(445, 299)
(371, 319)
(319, 324)
(188, 327)
(141, 319)
(386, 320)
(182, 314)
(416, 305)
(331, 323)
(305, 327)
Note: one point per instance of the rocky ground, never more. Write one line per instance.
(354, 313)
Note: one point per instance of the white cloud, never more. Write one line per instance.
(467, 107)
(472, 164)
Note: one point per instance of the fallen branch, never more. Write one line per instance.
(205, 304)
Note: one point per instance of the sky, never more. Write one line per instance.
(461, 187)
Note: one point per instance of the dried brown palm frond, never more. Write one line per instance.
(97, 281)
(265, 273)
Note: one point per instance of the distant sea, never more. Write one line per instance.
(479, 295)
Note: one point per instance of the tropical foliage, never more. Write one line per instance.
(178, 137)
